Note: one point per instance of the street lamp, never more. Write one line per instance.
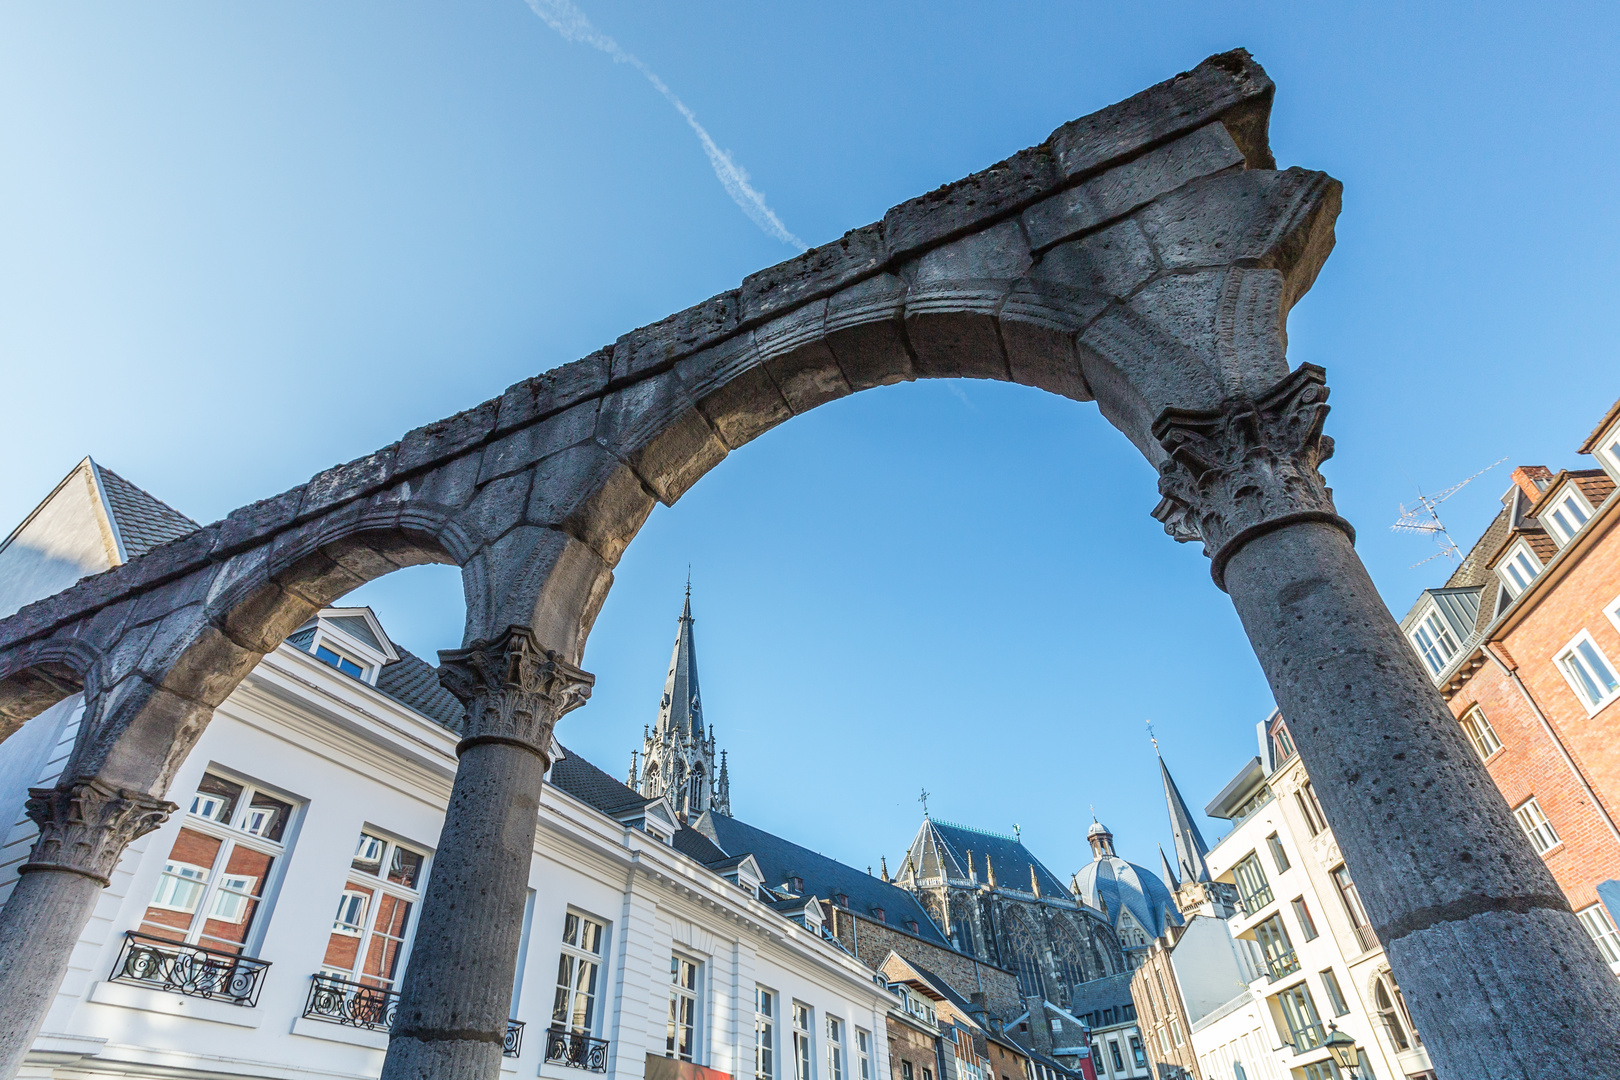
(1343, 1049)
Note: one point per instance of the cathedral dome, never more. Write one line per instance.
(1130, 896)
(1097, 829)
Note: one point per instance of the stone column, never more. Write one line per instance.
(1500, 977)
(83, 830)
(452, 1013)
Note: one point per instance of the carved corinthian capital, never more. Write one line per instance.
(1249, 467)
(515, 691)
(83, 829)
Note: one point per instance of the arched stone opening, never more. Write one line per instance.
(1145, 258)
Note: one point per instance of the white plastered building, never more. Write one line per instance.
(1302, 935)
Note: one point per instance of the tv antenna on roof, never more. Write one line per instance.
(1424, 517)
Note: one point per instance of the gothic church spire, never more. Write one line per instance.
(1190, 846)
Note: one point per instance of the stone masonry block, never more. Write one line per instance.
(816, 274)
(264, 617)
(253, 523)
(1223, 83)
(592, 495)
(1040, 323)
(866, 335)
(655, 427)
(546, 393)
(709, 369)
(798, 359)
(746, 407)
(1115, 261)
(498, 506)
(527, 445)
(194, 659)
(997, 252)
(344, 483)
(653, 348)
(971, 203)
(952, 330)
(1272, 218)
(1131, 184)
(444, 439)
(452, 483)
(145, 734)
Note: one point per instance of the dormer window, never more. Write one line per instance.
(1519, 568)
(1434, 640)
(350, 640)
(1566, 515)
(332, 658)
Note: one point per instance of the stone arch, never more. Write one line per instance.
(1144, 257)
(37, 676)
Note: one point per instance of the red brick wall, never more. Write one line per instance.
(1529, 763)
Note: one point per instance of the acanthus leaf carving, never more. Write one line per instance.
(515, 690)
(85, 827)
(1249, 467)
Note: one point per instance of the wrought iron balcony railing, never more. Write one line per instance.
(513, 1046)
(189, 969)
(339, 1001)
(576, 1050)
(1281, 965)
(1365, 936)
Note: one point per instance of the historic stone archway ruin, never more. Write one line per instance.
(1144, 257)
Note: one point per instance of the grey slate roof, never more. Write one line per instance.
(1010, 859)
(825, 878)
(143, 521)
(1112, 884)
(591, 785)
(414, 683)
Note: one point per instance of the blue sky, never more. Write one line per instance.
(241, 243)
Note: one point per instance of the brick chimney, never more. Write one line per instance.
(1532, 480)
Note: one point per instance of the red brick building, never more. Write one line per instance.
(1524, 641)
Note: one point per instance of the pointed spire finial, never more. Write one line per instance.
(1153, 739)
(1018, 833)
(923, 798)
(884, 859)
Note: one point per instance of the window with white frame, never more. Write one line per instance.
(803, 1048)
(764, 1034)
(1518, 568)
(1601, 928)
(1609, 447)
(835, 1048)
(1434, 640)
(375, 913)
(579, 967)
(212, 889)
(1565, 516)
(863, 1054)
(1480, 732)
(1543, 837)
(1612, 610)
(681, 1032)
(1589, 673)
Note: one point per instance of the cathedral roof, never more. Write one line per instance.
(682, 706)
(943, 846)
(824, 878)
(1113, 885)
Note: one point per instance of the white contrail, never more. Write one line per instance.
(563, 17)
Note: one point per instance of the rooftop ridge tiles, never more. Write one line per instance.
(972, 829)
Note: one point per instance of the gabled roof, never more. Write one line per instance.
(1008, 857)
(92, 521)
(143, 521)
(1590, 442)
(781, 859)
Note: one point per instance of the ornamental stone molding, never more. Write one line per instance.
(85, 828)
(514, 689)
(1237, 472)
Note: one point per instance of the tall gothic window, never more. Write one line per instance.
(694, 794)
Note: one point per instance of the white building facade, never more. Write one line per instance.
(261, 931)
(1304, 940)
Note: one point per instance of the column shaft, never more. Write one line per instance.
(1500, 978)
(458, 988)
(39, 925)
